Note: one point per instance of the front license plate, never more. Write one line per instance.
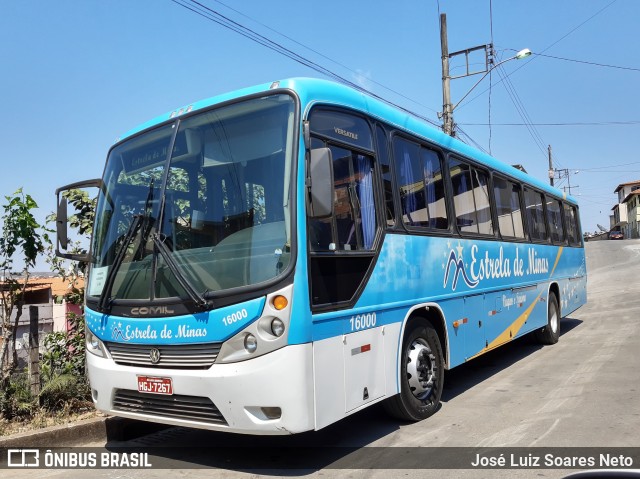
(152, 385)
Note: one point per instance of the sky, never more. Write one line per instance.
(75, 75)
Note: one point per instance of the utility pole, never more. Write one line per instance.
(489, 64)
(565, 173)
(447, 109)
(552, 173)
(569, 182)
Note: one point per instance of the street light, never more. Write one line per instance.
(447, 108)
(524, 53)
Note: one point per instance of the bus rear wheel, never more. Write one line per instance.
(551, 332)
(422, 375)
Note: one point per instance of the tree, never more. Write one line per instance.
(21, 234)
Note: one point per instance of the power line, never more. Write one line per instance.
(608, 167)
(324, 56)
(578, 123)
(212, 15)
(521, 110)
(470, 140)
(574, 29)
(544, 50)
(604, 65)
(216, 17)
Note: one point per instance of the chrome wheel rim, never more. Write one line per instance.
(421, 369)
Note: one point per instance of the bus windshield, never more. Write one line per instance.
(213, 215)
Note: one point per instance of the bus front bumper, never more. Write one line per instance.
(270, 394)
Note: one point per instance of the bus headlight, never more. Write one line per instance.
(266, 334)
(277, 327)
(250, 343)
(93, 344)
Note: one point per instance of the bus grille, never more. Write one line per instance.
(187, 408)
(187, 356)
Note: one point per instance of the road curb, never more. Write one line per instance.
(80, 433)
(72, 434)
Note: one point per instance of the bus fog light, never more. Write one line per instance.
(250, 343)
(93, 344)
(272, 412)
(277, 327)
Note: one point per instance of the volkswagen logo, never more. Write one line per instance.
(154, 355)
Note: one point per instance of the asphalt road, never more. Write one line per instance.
(582, 391)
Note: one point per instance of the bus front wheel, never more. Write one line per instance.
(421, 374)
(551, 332)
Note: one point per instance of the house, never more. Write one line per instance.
(47, 294)
(632, 202)
(627, 195)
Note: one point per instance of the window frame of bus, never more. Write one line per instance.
(525, 238)
(378, 193)
(489, 173)
(563, 239)
(577, 240)
(547, 236)
(441, 154)
(382, 133)
(337, 142)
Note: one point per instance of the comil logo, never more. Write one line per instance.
(23, 458)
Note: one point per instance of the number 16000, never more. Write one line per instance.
(363, 321)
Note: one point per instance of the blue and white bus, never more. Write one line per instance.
(272, 260)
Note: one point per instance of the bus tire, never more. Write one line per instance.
(550, 333)
(422, 375)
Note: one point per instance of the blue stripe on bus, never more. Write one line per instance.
(490, 283)
(212, 326)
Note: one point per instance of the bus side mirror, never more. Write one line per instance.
(321, 183)
(62, 219)
(61, 224)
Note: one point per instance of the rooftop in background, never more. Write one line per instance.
(622, 185)
(633, 193)
(58, 285)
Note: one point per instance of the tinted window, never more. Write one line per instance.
(534, 202)
(470, 198)
(554, 220)
(421, 185)
(571, 221)
(353, 225)
(508, 208)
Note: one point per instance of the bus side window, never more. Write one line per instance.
(554, 220)
(420, 181)
(534, 203)
(470, 198)
(507, 196)
(571, 221)
(353, 225)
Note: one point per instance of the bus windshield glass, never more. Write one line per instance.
(213, 215)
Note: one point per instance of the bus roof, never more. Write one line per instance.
(312, 91)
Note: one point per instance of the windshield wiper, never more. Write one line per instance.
(105, 296)
(165, 252)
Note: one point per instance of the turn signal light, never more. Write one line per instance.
(280, 302)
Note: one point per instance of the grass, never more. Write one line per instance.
(43, 418)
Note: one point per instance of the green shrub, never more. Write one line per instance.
(16, 400)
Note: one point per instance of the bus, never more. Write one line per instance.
(272, 260)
